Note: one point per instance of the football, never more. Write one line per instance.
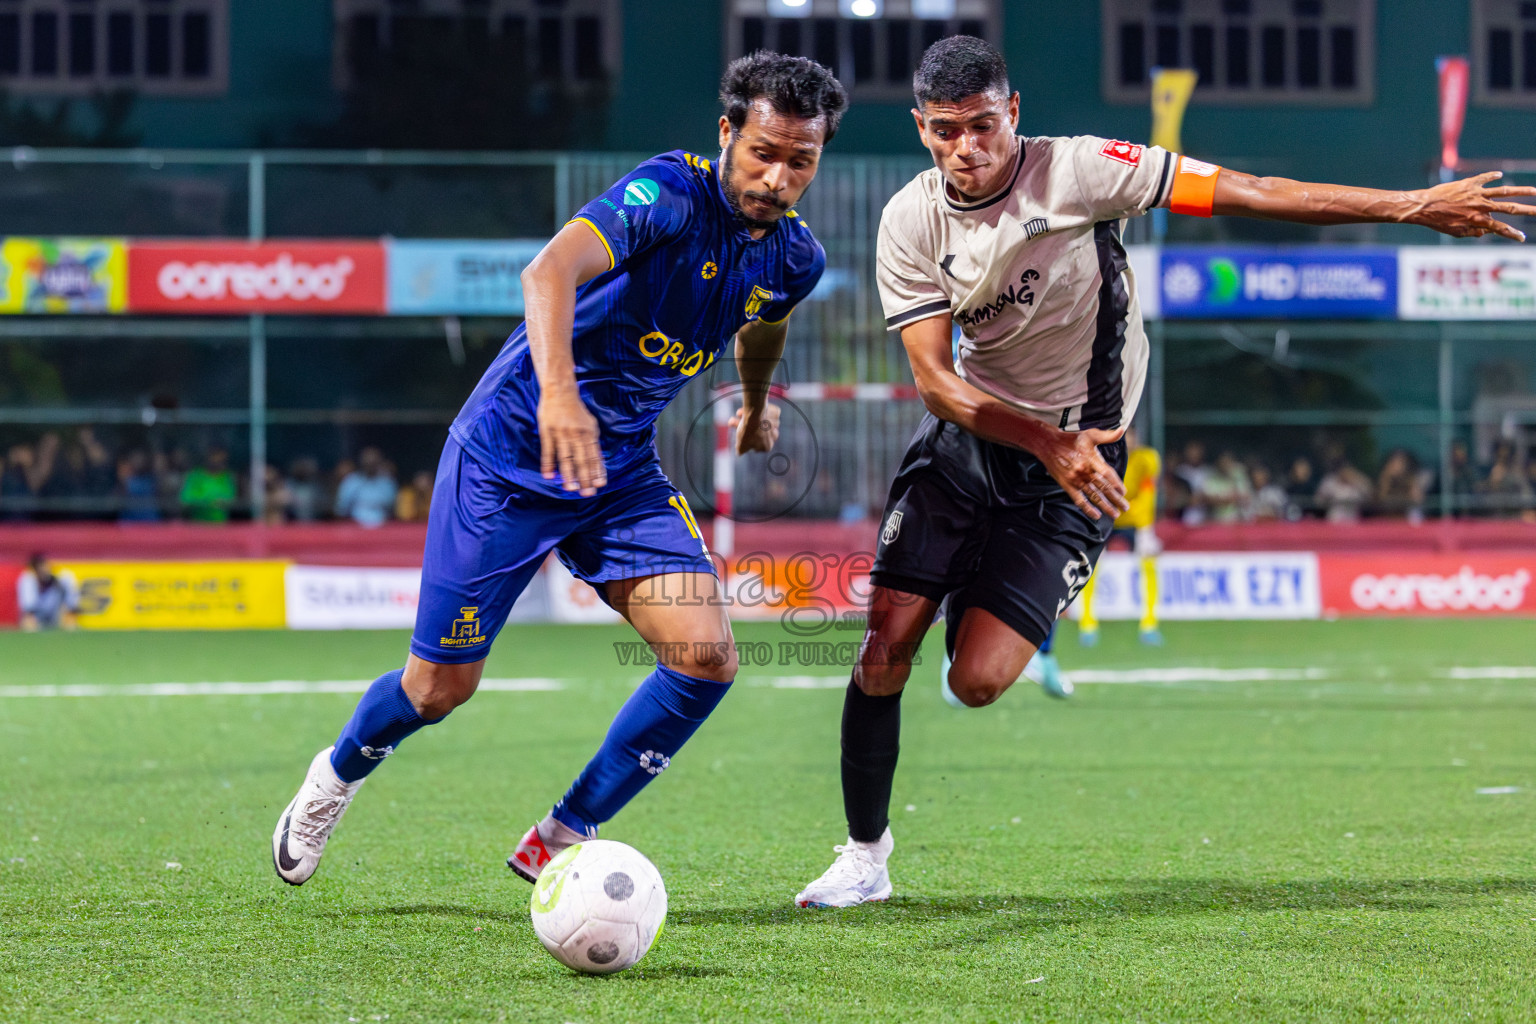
(599, 906)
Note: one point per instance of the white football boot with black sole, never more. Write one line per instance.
(308, 821)
(858, 875)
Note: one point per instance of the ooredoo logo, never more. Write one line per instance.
(1465, 590)
(276, 277)
(283, 278)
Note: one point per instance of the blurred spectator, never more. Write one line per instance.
(1224, 493)
(46, 599)
(170, 475)
(304, 490)
(209, 490)
(367, 494)
(1400, 487)
(138, 488)
(1462, 484)
(22, 480)
(1343, 492)
(1269, 498)
(415, 499)
(81, 483)
(1505, 490)
(278, 499)
(342, 470)
(1191, 470)
(1300, 490)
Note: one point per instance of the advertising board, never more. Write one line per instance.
(180, 595)
(330, 597)
(1411, 583)
(446, 278)
(1211, 585)
(63, 275)
(306, 277)
(1281, 283)
(1454, 282)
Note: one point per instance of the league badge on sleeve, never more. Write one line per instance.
(1128, 153)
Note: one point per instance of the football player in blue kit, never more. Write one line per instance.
(555, 450)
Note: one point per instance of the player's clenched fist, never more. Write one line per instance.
(568, 441)
(1093, 485)
(756, 429)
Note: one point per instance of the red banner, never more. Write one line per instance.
(1453, 73)
(1414, 584)
(256, 277)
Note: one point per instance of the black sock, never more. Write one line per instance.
(871, 743)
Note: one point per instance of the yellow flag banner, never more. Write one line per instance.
(1171, 89)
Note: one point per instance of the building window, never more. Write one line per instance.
(873, 46)
(571, 41)
(1503, 52)
(1319, 52)
(77, 47)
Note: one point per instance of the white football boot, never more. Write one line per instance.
(858, 875)
(309, 819)
(540, 845)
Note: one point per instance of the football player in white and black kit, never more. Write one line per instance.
(1008, 491)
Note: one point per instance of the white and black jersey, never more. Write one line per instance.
(1035, 275)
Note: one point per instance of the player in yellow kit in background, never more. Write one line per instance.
(1137, 526)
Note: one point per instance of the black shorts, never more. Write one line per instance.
(984, 525)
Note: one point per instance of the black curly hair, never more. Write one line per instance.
(956, 67)
(794, 86)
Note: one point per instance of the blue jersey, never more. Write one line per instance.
(683, 277)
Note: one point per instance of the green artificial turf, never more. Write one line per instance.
(1302, 849)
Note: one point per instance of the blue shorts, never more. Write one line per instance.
(487, 537)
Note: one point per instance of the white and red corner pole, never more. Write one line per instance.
(724, 539)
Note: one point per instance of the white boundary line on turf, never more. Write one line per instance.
(1495, 672)
(1132, 676)
(249, 689)
(1196, 675)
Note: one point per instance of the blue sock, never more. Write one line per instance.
(1050, 641)
(645, 735)
(383, 718)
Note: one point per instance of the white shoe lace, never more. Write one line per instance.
(313, 819)
(853, 863)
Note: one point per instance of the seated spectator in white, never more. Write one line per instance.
(367, 494)
(1269, 498)
(1343, 492)
(1401, 486)
(45, 598)
(1224, 492)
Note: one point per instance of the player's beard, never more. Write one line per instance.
(734, 196)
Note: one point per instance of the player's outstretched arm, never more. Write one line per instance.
(568, 432)
(759, 347)
(1071, 457)
(1463, 208)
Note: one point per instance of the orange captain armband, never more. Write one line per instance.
(1194, 187)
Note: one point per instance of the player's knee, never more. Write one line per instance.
(713, 660)
(977, 687)
(881, 678)
(436, 690)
